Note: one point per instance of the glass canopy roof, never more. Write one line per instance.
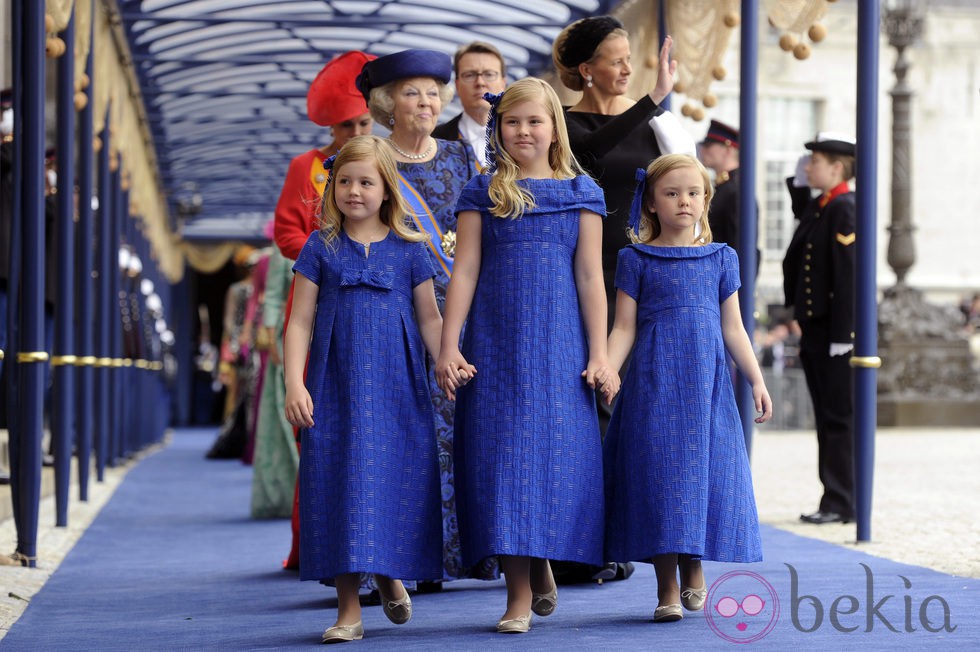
(225, 81)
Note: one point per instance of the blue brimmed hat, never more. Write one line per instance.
(404, 65)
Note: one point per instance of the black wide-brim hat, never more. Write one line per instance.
(404, 65)
(832, 143)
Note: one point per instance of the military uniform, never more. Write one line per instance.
(723, 215)
(818, 281)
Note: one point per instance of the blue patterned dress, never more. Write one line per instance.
(528, 454)
(677, 475)
(439, 183)
(369, 476)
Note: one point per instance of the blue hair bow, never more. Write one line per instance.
(636, 209)
(494, 100)
(328, 163)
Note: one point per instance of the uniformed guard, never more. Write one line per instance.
(818, 280)
(719, 152)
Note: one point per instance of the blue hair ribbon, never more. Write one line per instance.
(636, 208)
(494, 100)
(328, 163)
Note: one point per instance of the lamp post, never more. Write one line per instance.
(927, 375)
(902, 21)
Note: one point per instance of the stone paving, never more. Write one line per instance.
(925, 497)
(926, 493)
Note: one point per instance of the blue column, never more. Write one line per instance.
(748, 110)
(183, 326)
(85, 315)
(31, 355)
(64, 358)
(104, 265)
(11, 366)
(865, 359)
(118, 391)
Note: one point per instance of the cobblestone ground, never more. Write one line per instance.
(926, 492)
(925, 497)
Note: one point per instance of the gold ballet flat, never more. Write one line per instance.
(519, 625)
(693, 599)
(344, 633)
(398, 611)
(667, 613)
(544, 604)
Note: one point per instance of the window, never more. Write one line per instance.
(785, 124)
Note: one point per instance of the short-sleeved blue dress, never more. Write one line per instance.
(369, 475)
(528, 453)
(677, 475)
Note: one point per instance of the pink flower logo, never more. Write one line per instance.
(742, 607)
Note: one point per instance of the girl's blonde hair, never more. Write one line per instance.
(649, 223)
(507, 198)
(394, 210)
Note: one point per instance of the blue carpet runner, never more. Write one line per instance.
(173, 562)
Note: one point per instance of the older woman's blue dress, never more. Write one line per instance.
(369, 475)
(677, 475)
(439, 183)
(528, 453)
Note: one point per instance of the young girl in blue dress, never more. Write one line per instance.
(365, 310)
(527, 281)
(678, 486)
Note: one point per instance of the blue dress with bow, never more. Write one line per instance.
(369, 476)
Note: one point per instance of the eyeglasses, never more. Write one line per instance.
(752, 606)
(470, 76)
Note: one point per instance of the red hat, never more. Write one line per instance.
(332, 97)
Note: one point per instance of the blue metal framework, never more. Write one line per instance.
(224, 81)
(224, 85)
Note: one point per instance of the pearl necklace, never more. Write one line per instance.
(413, 157)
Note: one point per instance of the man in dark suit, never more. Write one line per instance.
(818, 281)
(479, 68)
(719, 152)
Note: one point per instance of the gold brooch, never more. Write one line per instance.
(448, 243)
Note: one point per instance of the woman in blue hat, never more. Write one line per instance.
(405, 92)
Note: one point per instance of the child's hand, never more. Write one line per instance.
(763, 403)
(610, 387)
(299, 407)
(452, 372)
(598, 374)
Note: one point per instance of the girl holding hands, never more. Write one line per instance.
(527, 281)
(678, 486)
(365, 310)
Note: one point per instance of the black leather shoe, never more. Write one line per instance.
(819, 518)
(624, 570)
(606, 572)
